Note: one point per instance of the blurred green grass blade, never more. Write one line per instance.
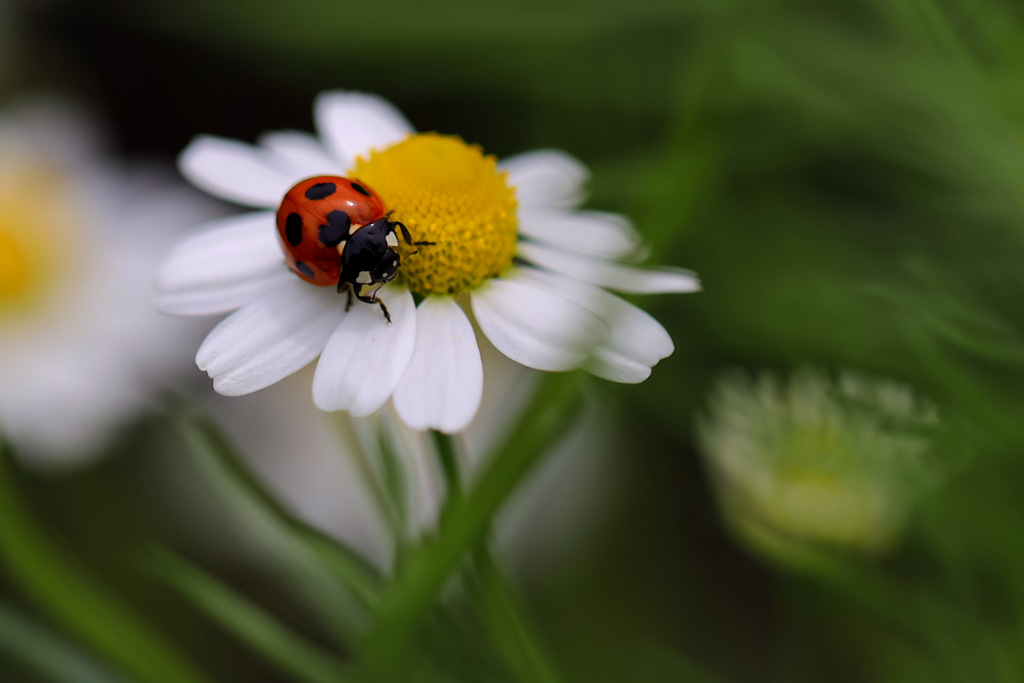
(363, 439)
(930, 26)
(345, 564)
(250, 623)
(447, 454)
(349, 566)
(47, 652)
(316, 562)
(50, 577)
(394, 483)
(409, 598)
(503, 616)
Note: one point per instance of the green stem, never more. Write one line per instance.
(447, 455)
(501, 613)
(505, 618)
(408, 600)
(387, 509)
(396, 499)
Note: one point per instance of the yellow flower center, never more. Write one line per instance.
(452, 194)
(30, 253)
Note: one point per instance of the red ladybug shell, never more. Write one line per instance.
(314, 219)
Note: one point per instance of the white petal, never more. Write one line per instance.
(636, 344)
(270, 338)
(637, 341)
(300, 153)
(610, 274)
(222, 266)
(546, 179)
(219, 298)
(353, 123)
(235, 171)
(223, 251)
(365, 357)
(442, 386)
(588, 232)
(615, 368)
(534, 327)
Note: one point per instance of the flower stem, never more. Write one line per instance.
(447, 455)
(408, 600)
(390, 509)
(501, 614)
(505, 619)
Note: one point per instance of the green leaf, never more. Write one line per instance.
(250, 623)
(49, 575)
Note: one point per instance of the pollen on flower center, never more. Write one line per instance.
(452, 194)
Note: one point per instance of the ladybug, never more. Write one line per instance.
(336, 232)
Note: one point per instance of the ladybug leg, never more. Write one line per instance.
(372, 299)
(348, 287)
(408, 238)
(384, 309)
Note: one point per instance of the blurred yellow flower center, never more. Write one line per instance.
(13, 269)
(452, 194)
(29, 255)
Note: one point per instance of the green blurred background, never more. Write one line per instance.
(846, 178)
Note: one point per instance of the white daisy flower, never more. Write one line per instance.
(508, 244)
(80, 347)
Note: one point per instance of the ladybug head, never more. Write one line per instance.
(387, 268)
(368, 256)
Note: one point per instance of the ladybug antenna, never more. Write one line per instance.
(407, 237)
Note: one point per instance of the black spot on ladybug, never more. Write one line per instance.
(321, 190)
(336, 228)
(293, 229)
(360, 189)
(304, 269)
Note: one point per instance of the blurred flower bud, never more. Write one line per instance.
(813, 464)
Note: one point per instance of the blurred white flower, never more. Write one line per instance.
(80, 347)
(507, 237)
(302, 456)
(815, 463)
